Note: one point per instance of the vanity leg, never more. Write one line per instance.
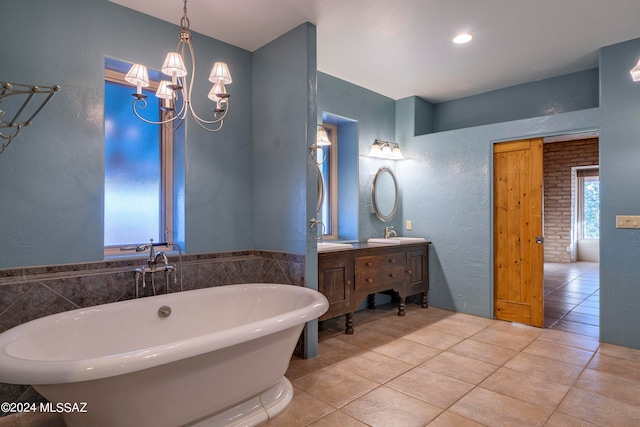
(349, 324)
(425, 302)
(401, 306)
(371, 301)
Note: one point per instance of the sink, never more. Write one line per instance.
(397, 240)
(330, 246)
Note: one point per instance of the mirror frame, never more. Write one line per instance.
(376, 208)
(320, 190)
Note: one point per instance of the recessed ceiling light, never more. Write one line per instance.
(462, 38)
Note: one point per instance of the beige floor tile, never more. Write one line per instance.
(449, 419)
(366, 338)
(544, 368)
(335, 385)
(620, 352)
(616, 366)
(502, 339)
(394, 325)
(477, 320)
(460, 367)
(434, 338)
(431, 387)
(334, 350)
(570, 339)
(494, 409)
(525, 387)
(624, 389)
(458, 326)
(337, 418)
(562, 420)
(385, 407)
(302, 410)
(516, 329)
(599, 410)
(300, 367)
(482, 351)
(407, 351)
(559, 352)
(376, 366)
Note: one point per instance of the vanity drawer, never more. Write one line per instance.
(376, 272)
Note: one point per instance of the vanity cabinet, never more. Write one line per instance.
(347, 277)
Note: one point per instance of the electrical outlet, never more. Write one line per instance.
(408, 225)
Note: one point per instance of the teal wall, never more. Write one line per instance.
(620, 195)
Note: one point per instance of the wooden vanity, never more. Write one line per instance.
(347, 277)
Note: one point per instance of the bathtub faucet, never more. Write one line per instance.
(153, 267)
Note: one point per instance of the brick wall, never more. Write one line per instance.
(559, 158)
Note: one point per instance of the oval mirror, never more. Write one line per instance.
(384, 194)
(320, 189)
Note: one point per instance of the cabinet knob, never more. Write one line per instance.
(369, 264)
(370, 280)
(392, 275)
(392, 261)
(410, 271)
(348, 282)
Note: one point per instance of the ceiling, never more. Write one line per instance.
(401, 48)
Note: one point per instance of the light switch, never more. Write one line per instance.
(627, 221)
(409, 224)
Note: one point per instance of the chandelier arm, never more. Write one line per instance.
(209, 122)
(151, 122)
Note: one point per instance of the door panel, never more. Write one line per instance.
(518, 259)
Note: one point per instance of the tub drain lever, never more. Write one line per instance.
(164, 311)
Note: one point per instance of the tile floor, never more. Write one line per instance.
(438, 368)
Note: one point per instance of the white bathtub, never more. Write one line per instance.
(218, 359)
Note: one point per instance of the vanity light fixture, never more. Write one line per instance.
(386, 150)
(322, 140)
(635, 72)
(10, 128)
(176, 94)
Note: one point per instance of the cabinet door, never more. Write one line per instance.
(417, 271)
(335, 282)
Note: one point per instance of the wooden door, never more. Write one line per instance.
(518, 249)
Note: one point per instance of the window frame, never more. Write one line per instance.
(166, 175)
(583, 174)
(331, 232)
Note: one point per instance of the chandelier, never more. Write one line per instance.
(176, 93)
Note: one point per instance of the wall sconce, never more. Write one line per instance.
(386, 150)
(322, 140)
(635, 72)
(15, 124)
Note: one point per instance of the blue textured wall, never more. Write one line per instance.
(375, 117)
(284, 125)
(571, 92)
(619, 195)
(52, 175)
(447, 193)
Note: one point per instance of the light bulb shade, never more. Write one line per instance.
(635, 72)
(220, 74)
(212, 94)
(164, 91)
(220, 91)
(322, 139)
(386, 150)
(376, 150)
(138, 75)
(396, 154)
(174, 65)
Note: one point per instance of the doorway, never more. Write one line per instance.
(562, 156)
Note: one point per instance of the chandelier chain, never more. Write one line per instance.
(184, 22)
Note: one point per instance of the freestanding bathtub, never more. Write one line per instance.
(218, 358)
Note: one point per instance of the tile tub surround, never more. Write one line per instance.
(34, 292)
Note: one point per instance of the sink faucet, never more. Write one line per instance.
(389, 231)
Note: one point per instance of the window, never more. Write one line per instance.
(329, 170)
(588, 204)
(138, 199)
